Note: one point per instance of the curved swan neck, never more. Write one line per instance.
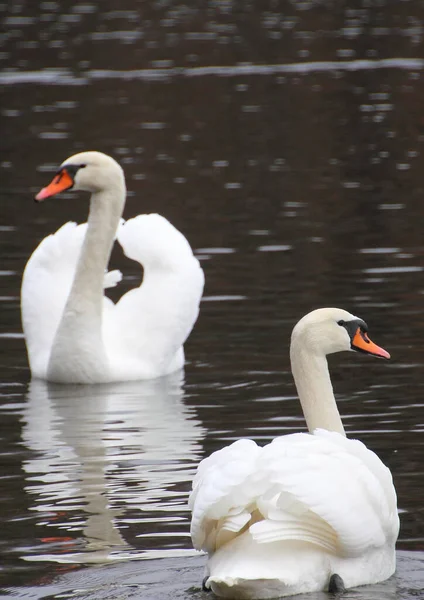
(106, 209)
(313, 384)
(78, 351)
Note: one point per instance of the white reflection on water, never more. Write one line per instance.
(108, 458)
(58, 76)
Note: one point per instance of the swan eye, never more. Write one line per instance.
(82, 166)
(341, 323)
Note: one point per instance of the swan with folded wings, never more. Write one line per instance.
(310, 511)
(73, 332)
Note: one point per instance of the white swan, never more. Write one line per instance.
(291, 516)
(74, 334)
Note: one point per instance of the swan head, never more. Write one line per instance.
(89, 171)
(328, 330)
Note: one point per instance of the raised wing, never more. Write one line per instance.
(46, 284)
(149, 324)
(45, 287)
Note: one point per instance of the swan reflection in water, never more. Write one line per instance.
(111, 462)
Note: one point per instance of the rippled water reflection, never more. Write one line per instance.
(102, 458)
(285, 142)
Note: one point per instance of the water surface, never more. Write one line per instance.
(285, 143)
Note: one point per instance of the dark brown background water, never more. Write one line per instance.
(285, 140)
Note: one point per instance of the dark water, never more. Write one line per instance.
(286, 143)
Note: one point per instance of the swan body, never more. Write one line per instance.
(282, 519)
(73, 332)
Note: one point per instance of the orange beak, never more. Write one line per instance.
(62, 181)
(362, 342)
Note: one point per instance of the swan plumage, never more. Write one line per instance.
(279, 520)
(73, 332)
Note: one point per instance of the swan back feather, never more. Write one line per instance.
(322, 488)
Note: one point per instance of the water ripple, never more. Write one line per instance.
(66, 77)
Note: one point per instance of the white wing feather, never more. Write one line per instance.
(323, 489)
(145, 331)
(149, 325)
(46, 284)
(220, 489)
